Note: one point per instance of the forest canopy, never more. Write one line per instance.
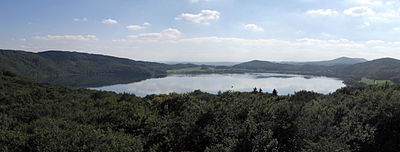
(44, 117)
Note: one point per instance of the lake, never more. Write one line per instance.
(212, 83)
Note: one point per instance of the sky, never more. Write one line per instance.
(205, 30)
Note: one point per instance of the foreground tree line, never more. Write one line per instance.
(43, 117)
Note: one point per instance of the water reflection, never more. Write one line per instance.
(212, 83)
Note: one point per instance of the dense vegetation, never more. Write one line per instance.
(43, 117)
(338, 61)
(78, 69)
(380, 69)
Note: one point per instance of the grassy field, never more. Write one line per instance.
(371, 81)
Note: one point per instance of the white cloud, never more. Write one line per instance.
(366, 24)
(310, 41)
(92, 37)
(201, 18)
(240, 49)
(369, 2)
(375, 42)
(135, 27)
(109, 21)
(146, 36)
(253, 27)
(166, 34)
(326, 35)
(233, 41)
(359, 11)
(22, 39)
(322, 12)
(147, 46)
(138, 27)
(389, 3)
(171, 33)
(342, 40)
(396, 29)
(197, 1)
(390, 14)
(80, 19)
(67, 37)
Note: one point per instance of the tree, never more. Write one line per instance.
(255, 90)
(260, 90)
(274, 92)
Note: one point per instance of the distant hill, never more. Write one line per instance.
(380, 69)
(261, 65)
(78, 69)
(338, 61)
(265, 66)
(205, 63)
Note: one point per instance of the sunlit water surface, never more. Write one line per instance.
(212, 83)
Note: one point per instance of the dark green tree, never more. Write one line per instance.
(255, 90)
(274, 92)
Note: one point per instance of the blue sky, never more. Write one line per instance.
(205, 30)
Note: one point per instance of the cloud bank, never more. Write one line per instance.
(204, 17)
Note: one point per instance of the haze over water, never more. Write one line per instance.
(212, 83)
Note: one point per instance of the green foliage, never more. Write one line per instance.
(385, 69)
(274, 92)
(371, 82)
(44, 117)
(68, 68)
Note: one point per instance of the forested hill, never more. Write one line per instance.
(78, 69)
(44, 117)
(381, 69)
(338, 61)
(261, 65)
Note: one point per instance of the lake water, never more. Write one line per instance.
(212, 83)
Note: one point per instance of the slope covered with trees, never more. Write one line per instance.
(78, 69)
(43, 117)
(265, 66)
(380, 69)
(337, 61)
